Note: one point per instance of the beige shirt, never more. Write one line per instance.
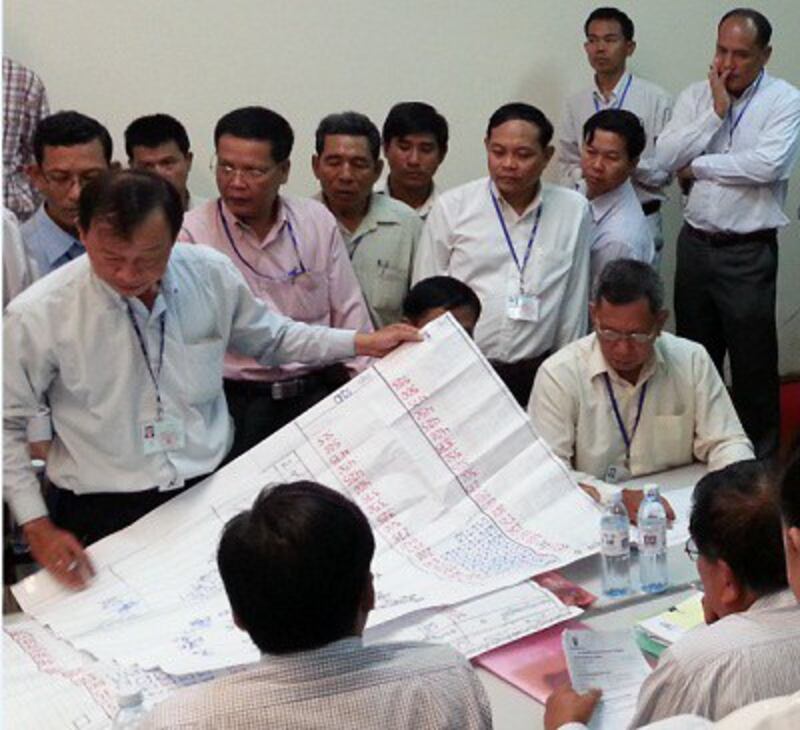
(463, 238)
(716, 669)
(687, 413)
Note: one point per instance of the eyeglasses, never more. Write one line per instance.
(66, 180)
(638, 338)
(691, 550)
(250, 174)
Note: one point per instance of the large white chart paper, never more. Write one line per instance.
(463, 497)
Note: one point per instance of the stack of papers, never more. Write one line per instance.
(657, 633)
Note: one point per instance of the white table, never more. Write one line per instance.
(514, 710)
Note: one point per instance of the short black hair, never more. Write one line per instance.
(624, 281)
(526, 113)
(295, 566)
(154, 130)
(763, 26)
(790, 492)
(611, 14)
(735, 518)
(621, 122)
(415, 117)
(67, 129)
(259, 123)
(352, 124)
(439, 291)
(124, 198)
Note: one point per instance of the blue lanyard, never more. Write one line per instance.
(621, 99)
(510, 243)
(154, 375)
(620, 423)
(733, 123)
(296, 271)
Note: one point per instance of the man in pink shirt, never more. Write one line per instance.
(290, 252)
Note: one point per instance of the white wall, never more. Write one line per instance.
(197, 59)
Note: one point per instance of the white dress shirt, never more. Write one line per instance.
(720, 667)
(687, 413)
(619, 229)
(69, 341)
(647, 101)
(742, 175)
(19, 269)
(463, 238)
(342, 686)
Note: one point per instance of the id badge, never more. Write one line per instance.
(522, 306)
(616, 474)
(164, 434)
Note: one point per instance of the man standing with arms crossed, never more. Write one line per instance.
(734, 140)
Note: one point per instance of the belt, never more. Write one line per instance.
(651, 206)
(279, 389)
(765, 235)
(531, 362)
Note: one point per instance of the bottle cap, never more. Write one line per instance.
(651, 490)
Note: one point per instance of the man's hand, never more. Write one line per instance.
(719, 94)
(382, 342)
(59, 552)
(566, 705)
(632, 498)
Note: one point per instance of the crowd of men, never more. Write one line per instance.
(144, 365)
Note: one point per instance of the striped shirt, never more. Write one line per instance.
(342, 685)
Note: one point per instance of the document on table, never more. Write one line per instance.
(463, 497)
(609, 661)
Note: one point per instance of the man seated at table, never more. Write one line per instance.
(629, 399)
(749, 649)
(296, 569)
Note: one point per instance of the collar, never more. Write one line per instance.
(603, 204)
(382, 211)
(780, 599)
(326, 660)
(275, 232)
(167, 288)
(507, 208)
(750, 90)
(616, 91)
(597, 364)
(422, 210)
(54, 241)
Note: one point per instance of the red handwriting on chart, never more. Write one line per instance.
(446, 446)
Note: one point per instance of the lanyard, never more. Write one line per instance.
(620, 423)
(154, 375)
(621, 99)
(510, 243)
(296, 271)
(733, 123)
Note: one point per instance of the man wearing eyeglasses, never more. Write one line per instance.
(292, 256)
(629, 399)
(69, 150)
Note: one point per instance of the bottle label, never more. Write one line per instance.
(614, 543)
(652, 541)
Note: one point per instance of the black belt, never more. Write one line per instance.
(330, 378)
(651, 206)
(765, 235)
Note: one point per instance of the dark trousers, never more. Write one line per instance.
(91, 517)
(519, 376)
(256, 414)
(725, 300)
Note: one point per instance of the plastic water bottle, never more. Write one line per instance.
(131, 710)
(653, 574)
(615, 547)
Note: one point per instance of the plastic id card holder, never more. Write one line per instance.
(163, 434)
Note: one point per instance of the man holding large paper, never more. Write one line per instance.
(629, 399)
(126, 348)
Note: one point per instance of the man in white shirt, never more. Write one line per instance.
(521, 244)
(734, 140)
(415, 139)
(126, 347)
(380, 233)
(628, 399)
(159, 143)
(609, 43)
(296, 570)
(747, 651)
(613, 140)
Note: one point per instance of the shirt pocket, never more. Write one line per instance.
(387, 290)
(672, 440)
(202, 371)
